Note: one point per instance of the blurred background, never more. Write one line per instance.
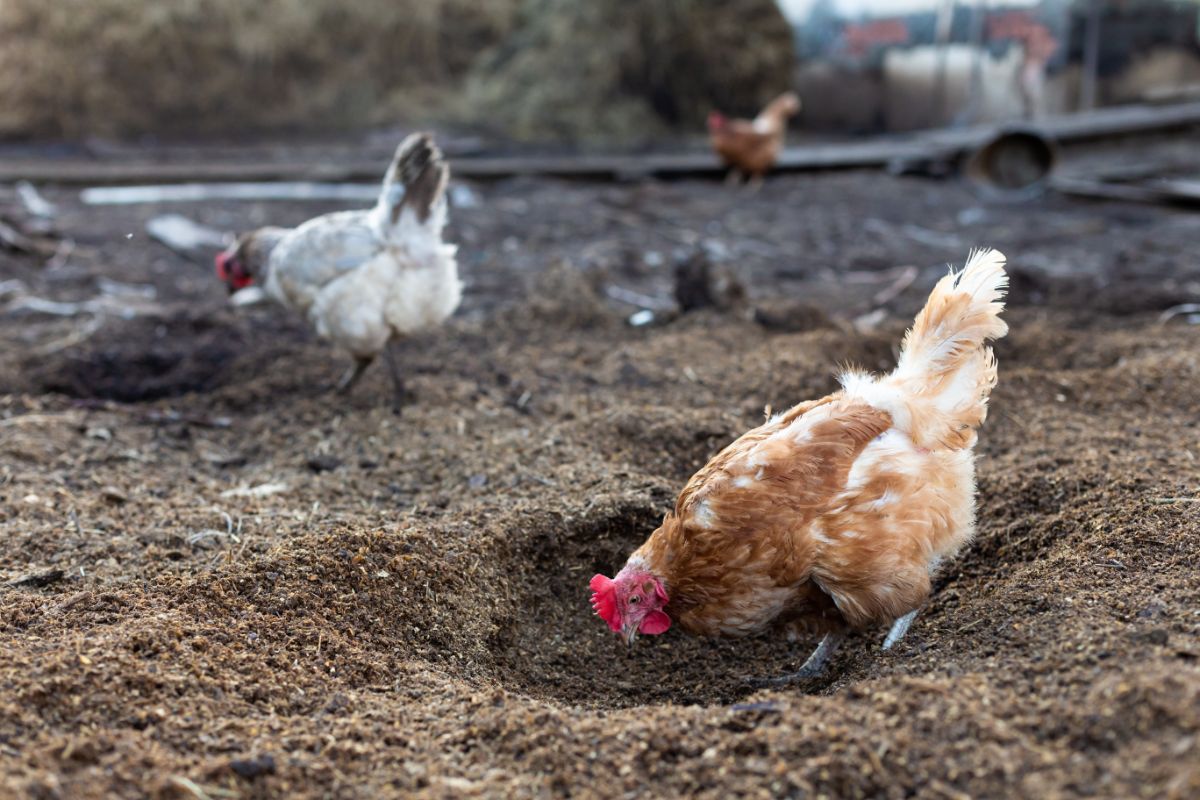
(562, 71)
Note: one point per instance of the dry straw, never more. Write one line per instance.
(533, 69)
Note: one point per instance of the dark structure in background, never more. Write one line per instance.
(948, 62)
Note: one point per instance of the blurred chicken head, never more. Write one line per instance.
(788, 103)
(244, 262)
(631, 603)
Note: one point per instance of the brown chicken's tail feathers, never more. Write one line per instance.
(416, 178)
(963, 312)
(939, 390)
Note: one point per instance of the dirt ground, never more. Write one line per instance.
(221, 580)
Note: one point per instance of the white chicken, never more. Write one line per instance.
(368, 277)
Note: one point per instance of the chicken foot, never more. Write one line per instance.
(899, 628)
(812, 667)
(352, 375)
(400, 395)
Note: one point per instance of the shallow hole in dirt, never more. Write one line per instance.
(143, 360)
(554, 647)
(510, 605)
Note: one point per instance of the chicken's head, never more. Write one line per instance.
(716, 121)
(245, 261)
(232, 266)
(232, 271)
(789, 103)
(631, 603)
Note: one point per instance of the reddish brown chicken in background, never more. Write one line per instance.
(834, 515)
(751, 147)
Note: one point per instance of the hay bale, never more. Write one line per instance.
(113, 67)
(611, 69)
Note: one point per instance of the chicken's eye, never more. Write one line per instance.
(633, 601)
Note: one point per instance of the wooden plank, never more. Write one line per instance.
(1165, 191)
(126, 194)
(795, 159)
(1101, 190)
(83, 173)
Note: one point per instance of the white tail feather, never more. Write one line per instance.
(938, 392)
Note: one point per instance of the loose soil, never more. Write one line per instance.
(403, 609)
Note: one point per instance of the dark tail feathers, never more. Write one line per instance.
(419, 167)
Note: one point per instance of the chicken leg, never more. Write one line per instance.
(352, 375)
(899, 628)
(400, 394)
(812, 667)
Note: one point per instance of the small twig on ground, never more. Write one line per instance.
(633, 298)
(533, 476)
(261, 490)
(196, 791)
(312, 513)
(84, 333)
(27, 419)
(207, 533)
(157, 416)
(38, 581)
(33, 201)
(61, 255)
(229, 526)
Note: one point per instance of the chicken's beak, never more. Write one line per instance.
(629, 633)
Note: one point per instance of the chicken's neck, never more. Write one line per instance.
(265, 242)
(655, 555)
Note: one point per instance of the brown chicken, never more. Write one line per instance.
(834, 515)
(751, 147)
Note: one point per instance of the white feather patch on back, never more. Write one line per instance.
(879, 394)
(704, 516)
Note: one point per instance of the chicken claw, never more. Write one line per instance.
(899, 628)
(812, 668)
(400, 395)
(347, 381)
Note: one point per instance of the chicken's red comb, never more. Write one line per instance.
(222, 268)
(604, 600)
(715, 120)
